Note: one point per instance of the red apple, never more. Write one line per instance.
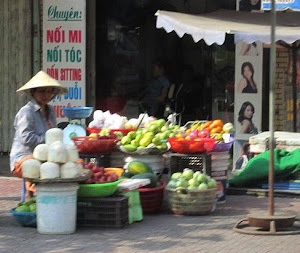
(102, 180)
(89, 181)
(95, 169)
(89, 166)
(98, 174)
(110, 179)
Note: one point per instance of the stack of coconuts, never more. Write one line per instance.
(53, 159)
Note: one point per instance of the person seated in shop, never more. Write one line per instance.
(245, 156)
(156, 91)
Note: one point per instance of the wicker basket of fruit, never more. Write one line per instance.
(191, 193)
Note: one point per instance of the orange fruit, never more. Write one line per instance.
(218, 122)
(188, 131)
(215, 130)
(179, 135)
(207, 124)
(188, 138)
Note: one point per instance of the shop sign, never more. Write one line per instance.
(64, 50)
(281, 5)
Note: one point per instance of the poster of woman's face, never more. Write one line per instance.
(247, 120)
(249, 5)
(245, 117)
(247, 83)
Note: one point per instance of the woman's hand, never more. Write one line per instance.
(245, 126)
(245, 48)
(242, 84)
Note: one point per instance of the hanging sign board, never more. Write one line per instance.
(64, 50)
(281, 5)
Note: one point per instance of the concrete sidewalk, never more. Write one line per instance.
(163, 232)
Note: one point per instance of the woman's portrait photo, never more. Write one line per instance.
(245, 118)
(249, 5)
(249, 49)
(247, 83)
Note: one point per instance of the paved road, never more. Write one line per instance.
(156, 233)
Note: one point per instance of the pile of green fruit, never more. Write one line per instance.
(154, 134)
(190, 180)
(139, 170)
(27, 207)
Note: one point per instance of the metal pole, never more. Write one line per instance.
(271, 109)
(36, 48)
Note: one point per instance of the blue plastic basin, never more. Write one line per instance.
(24, 218)
(77, 112)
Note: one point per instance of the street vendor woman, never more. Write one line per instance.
(33, 120)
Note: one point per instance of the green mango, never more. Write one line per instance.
(23, 208)
(125, 140)
(138, 137)
(130, 147)
(32, 208)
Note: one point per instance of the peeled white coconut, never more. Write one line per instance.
(132, 123)
(41, 152)
(80, 167)
(31, 168)
(94, 124)
(98, 115)
(57, 152)
(69, 170)
(53, 135)
(72, 152)
(49, 170)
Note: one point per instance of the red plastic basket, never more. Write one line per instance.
(152, 198)
(192, 146)
(88, 145)
(123, 131)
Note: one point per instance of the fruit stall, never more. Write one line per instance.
(122, 169)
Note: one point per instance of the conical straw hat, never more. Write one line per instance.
(42, 79)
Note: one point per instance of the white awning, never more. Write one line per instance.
(247, 27)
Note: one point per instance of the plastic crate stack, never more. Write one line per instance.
(219, 171)
(103, 212)
(196, 162)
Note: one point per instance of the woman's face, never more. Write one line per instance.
(157, 70)
(44, 95)
(248, 113)
(247, 72)
(254, 2)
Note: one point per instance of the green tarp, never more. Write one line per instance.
(256, 171)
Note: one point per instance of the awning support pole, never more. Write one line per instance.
(271, 110)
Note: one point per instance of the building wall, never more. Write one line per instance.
(282, 58)
(15, 62)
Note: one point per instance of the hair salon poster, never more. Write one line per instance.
(64, 50)
(248, 92)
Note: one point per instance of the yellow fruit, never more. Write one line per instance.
(93, 136)
(145, 141)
